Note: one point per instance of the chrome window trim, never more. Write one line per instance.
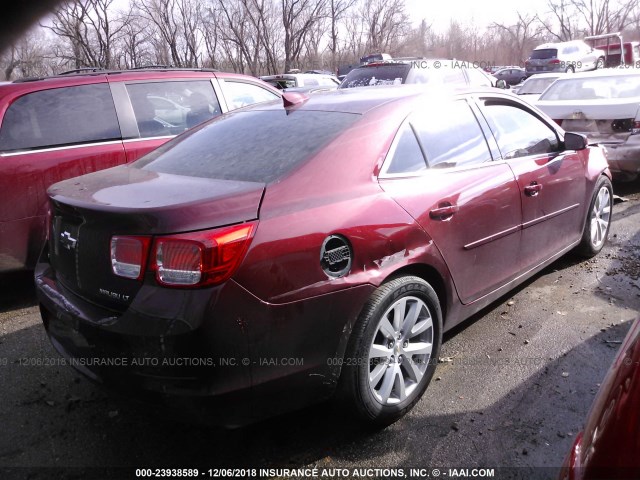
(62, 147)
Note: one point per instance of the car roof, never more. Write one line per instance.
(558, 44)
(21, 86)
(285, 76)
(361, 100)
(605, 72)
(547, 75)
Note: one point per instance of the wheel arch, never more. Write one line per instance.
(430, 275)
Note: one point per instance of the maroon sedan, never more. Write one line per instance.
(280, 253)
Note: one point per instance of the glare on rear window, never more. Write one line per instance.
(627, 86)
(253, 146)
(390, 74)
(544, 53)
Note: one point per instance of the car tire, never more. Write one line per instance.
(598, 221)
(570, 69)
(393, 351)
(600, 63)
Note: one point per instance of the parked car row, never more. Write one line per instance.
(604, 106)
(223, 223)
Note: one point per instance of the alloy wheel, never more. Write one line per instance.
(400, 351)
(600, 217)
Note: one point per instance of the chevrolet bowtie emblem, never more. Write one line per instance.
(67, 241)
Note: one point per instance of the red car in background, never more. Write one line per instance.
(609, 446)
(60, 127)
(315, 245)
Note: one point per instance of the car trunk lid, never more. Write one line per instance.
(610, 123)
(88, 211)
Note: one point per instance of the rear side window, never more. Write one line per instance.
(241, 94)
(451, 136)
(544, 53)
(406, 154)
(518, 132)
(392, 74)
(253, 146)
(170, 108)
(60, 116)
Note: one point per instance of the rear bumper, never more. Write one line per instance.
(624, 158)
(221, 350)
(622, 152)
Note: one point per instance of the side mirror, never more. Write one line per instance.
(501, 84)
(575, 141)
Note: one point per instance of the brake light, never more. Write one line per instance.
(129, 256)
(201, 258)
(555, 61)
(558, 121)
(635, 128)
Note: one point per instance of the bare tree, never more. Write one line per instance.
(519, 37)
(91, 29)
(563, 23)
(298, 17)
(177, 23)
(385, 22)
(27, 57)
(337, 11)
(603, 16)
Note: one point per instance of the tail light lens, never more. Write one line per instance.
(635, 129)
(555, 61)
(558, 121)
(201, 258)
(129, 256)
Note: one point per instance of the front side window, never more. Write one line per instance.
(518, 132)
(241, 94)
(60, 116)
(451, 136)
(170, 108)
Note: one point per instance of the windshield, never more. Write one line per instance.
(253, 146)
(534, 86)
(391, 74)
(544, 53)
(626, 86)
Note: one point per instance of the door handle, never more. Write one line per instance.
(533, 189)
(443, 212)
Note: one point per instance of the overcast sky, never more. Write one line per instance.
(439, 13)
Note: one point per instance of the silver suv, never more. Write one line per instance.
(573, 56)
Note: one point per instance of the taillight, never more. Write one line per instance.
(555, 61)
(635, 128)
(129, 256)
(200, 258)
(558, 121)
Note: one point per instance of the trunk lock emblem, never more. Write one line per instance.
(67, 241)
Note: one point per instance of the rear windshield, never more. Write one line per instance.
(393, 74)
(534, 86)
(627, 86)
(544, 53)
(282, 83)
(252, 146)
